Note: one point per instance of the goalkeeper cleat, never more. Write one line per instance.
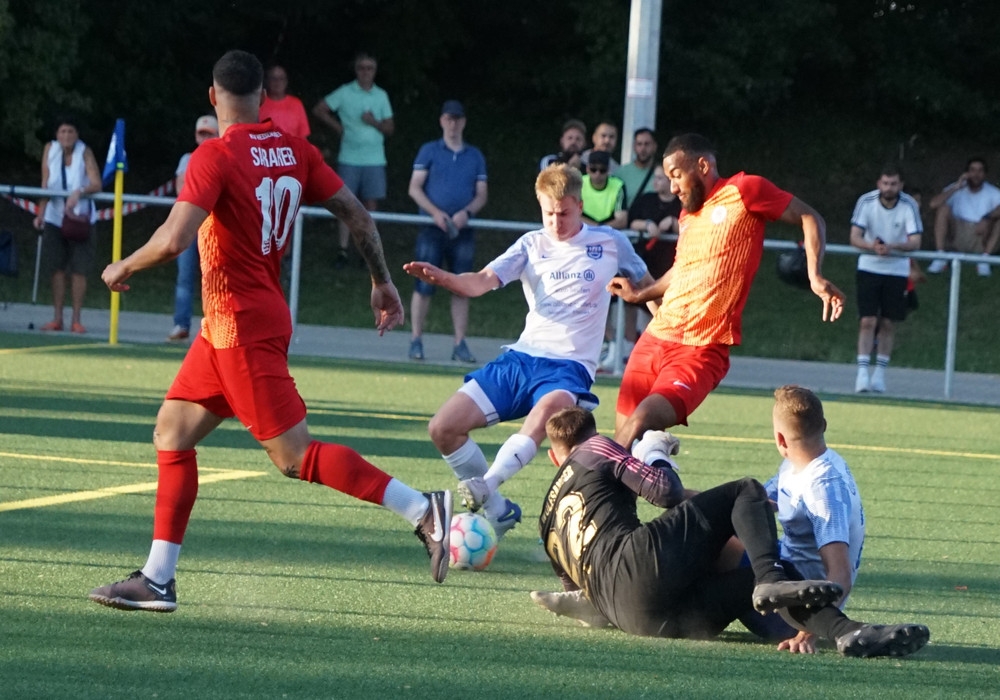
(138, 593)
(768, 597)
(883, 640)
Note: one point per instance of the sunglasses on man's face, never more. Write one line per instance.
(593, 169)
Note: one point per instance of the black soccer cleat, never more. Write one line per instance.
(883, 640)
(768, 597)
(434, 531)
(137, 593)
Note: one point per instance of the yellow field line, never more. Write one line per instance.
(109, 462)
(847, 446)
(50, 348)
(717, 438)
(76, 496)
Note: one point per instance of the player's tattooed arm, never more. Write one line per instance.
(346, 207)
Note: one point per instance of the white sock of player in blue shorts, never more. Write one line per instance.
(513, 455)
(467, 461)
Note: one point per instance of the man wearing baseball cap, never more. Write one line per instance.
(205, 128)
(448, 184)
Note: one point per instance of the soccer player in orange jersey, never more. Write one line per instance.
(241, 195)
(684, 353)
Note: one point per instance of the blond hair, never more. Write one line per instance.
(801, 410)
(559, 180)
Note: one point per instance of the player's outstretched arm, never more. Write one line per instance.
(814, 232)
(168, 241)
(346, 207)
(467, 284)
(647, 289)
(387, 306)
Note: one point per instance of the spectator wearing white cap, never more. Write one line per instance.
(207, 127)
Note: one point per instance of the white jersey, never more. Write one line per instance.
(817, 506)
(565, 284)
(973, 206)
(893, 225)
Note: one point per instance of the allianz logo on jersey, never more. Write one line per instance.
(587, 275)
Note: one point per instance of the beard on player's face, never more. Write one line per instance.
(696, 196)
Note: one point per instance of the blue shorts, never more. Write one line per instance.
(365, 181)
(515, 381)
(435, 247)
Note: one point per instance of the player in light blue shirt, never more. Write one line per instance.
(819, 506)
(564, 269)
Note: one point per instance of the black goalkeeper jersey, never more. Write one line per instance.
(590, 509)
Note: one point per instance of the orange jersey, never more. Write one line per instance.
(252, 182)
(718, 253)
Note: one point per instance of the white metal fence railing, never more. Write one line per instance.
(13, 192)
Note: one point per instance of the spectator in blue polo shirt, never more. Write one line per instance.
(449, 184)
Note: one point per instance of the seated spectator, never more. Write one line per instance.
(605, 138)
(638, 175)
(652, 214)
(572, 141)
(967, 216)
(603, 194)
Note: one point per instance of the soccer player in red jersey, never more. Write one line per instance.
(241, 196)
(684, 353)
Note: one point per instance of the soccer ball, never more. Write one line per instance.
(472, 542)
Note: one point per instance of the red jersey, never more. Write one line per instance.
(718, 253)
(252, 182)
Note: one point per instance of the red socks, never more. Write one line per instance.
(343, 469)
(176, 490)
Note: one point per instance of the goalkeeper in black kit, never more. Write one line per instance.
(661, 578)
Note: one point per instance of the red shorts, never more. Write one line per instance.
(250, 382)
(682, 374)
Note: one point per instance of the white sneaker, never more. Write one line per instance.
(937, 266)
(983, 269)
(474, 492)
(862, 383)
(878, 380)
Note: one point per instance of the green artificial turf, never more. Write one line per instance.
(293, 590)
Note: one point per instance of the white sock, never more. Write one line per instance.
(161, 566)
(467, 461)
(864, 360)
(405, 501)
(882, 360)
(495, 506)
(511, 458)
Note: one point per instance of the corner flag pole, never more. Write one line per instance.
(116, 163)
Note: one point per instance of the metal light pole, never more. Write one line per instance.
(642, 71)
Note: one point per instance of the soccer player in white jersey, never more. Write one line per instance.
(819, 506)
(564, 269)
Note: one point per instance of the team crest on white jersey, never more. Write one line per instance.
(595, 251)
(718, 215)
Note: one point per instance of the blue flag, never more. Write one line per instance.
(116, 154)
